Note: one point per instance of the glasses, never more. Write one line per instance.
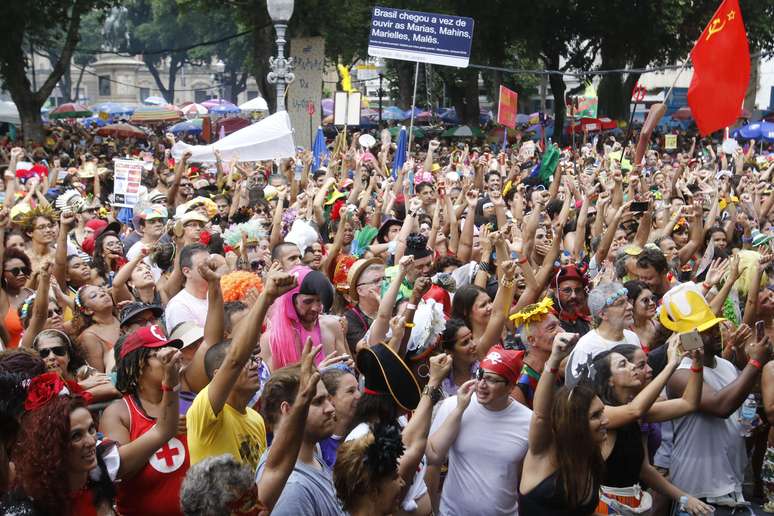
(568, 291)
(375, 281)
(648, 300)
(20, 271)
(45, 227)
(59, 351)
(481, 377)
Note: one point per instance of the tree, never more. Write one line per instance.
(27, 24)
(161, 31)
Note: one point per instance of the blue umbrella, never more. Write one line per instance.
(319, 150)
(450, 116)
(112, 108)
(225, 108)
(188, 126)
(400, 153)
(92, 121)
(392, 113)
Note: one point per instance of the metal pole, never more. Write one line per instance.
(281, 68)
(381, 75)
(413, 103)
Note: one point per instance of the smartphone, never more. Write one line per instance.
(760, 331)
(691, 341)
(639, 206)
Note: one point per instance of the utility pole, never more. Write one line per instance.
(381, 75)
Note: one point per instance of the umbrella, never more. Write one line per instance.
(9, 113)
(121, 131)
(112, 108)
(393, 113)
(92, 121)
(166, 113)
(327, 106)
(416, 110)
(193, 110)
(225, 108)
(450, 116)
(319, 150)
(417, 132)
(70, 110)
(155, 101)
(463, 131)
(757, 131)
(255, 104)
(400, 152)
(188, 126)
(211, 103)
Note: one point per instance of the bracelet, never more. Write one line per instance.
(697, 369)
(167, 388)
(409, 325)
(706, 285)
(553, 370)
(508, 283)
(411, 306)
(755, 363)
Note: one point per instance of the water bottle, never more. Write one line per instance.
(748, 415)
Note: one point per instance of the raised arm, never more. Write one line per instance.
(382, 321)
(697, 234)
(724, 402)
(688, 402)
(441, 440)
(246, 338)
(283, 451)
(501, 307)
(175, 187)
(135, 454)
(622, 415)
(540, 433)
(40, 306)
(465, 249)
(66, 220)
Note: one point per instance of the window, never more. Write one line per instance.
(200, 96)
(104, 85)
(144, 94)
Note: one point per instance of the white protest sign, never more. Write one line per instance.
(670, 141)
(126, 185)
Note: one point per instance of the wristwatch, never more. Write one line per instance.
(434, 393)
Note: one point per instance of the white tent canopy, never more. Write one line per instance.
(256, 104)
(9, 113)
(271, 138)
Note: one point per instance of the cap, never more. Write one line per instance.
(503, 362)
(134, 308)
(154, 212)
(188, 332)
(147, 337)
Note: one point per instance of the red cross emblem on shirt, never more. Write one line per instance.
(169, 457)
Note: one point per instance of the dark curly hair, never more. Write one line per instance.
(129, 369)
(22, 361)
(98, 260)
(40, 457)
(363, 464)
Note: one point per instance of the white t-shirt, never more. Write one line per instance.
(418, 487)
(485, 459)
(593, 344)
(135, 250)
(185, 307)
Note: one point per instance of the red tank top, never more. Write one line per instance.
(155, 490)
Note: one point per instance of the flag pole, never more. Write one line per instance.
(674, 83)
(413, 104)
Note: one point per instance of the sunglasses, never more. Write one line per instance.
(20, 271)
(481, 376)
(59, 351)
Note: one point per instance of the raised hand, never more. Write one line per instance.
(716, 270)
(439, 367)
(209, 270)
(170, 362)
(278, 281)
(464, 393)
(421, 285)
(307, 385)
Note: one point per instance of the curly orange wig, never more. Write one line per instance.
(237, 284)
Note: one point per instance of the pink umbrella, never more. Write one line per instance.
(209, 104)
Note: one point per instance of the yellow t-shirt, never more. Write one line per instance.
(241, 435)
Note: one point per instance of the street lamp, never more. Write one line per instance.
(281, 73)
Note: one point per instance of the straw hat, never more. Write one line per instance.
(353, 276)
(684, 309)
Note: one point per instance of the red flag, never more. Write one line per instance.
(721, 70)
(507, 107)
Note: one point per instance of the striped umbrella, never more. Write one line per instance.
(193, 110)
(70, 110)
(166, 113)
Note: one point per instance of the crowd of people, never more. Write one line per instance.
(529, 330)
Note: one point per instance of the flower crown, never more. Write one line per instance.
(27, 220)
(533, 313)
